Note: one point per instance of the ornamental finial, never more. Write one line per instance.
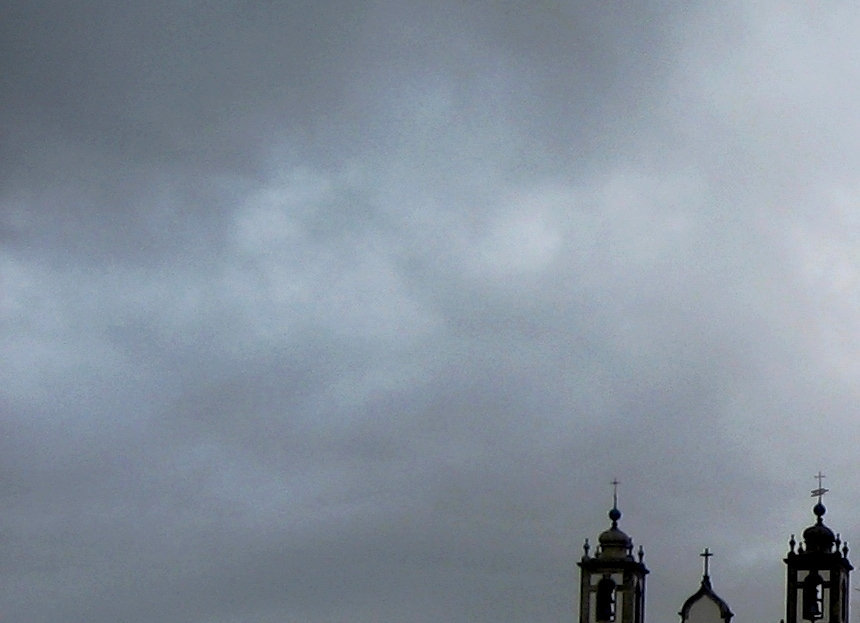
(706, 555)
(820, 491)
(615, 514)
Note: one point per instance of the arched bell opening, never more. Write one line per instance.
(605, 607)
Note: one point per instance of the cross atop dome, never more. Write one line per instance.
(820, 491)
(706, 555)
(615, 514)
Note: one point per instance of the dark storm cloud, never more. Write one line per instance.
(329, 311)
(134, 126)
(132, 123)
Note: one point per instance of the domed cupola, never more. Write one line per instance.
(818, 537)
(614, 543)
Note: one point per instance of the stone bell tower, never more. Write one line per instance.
(817, 587)
(612, 582)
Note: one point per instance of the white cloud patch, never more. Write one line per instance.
(523, 241)
(290, 274)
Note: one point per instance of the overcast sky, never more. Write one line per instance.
(316, 312)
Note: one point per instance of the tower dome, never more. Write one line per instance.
(818, 537)
(705, 606)
(614, 542)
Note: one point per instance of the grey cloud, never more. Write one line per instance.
(317, 312)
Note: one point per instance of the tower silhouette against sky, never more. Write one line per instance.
(817, 587)
(612, 581)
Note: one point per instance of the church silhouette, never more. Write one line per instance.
(612, 581)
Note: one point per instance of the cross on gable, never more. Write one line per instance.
(706, 555)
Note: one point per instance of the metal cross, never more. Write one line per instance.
(820, 490)
(706, 555)
(615, 484)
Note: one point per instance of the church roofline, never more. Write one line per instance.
(706, 591)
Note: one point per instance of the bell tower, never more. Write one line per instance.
(817, 588)
(612, 582)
